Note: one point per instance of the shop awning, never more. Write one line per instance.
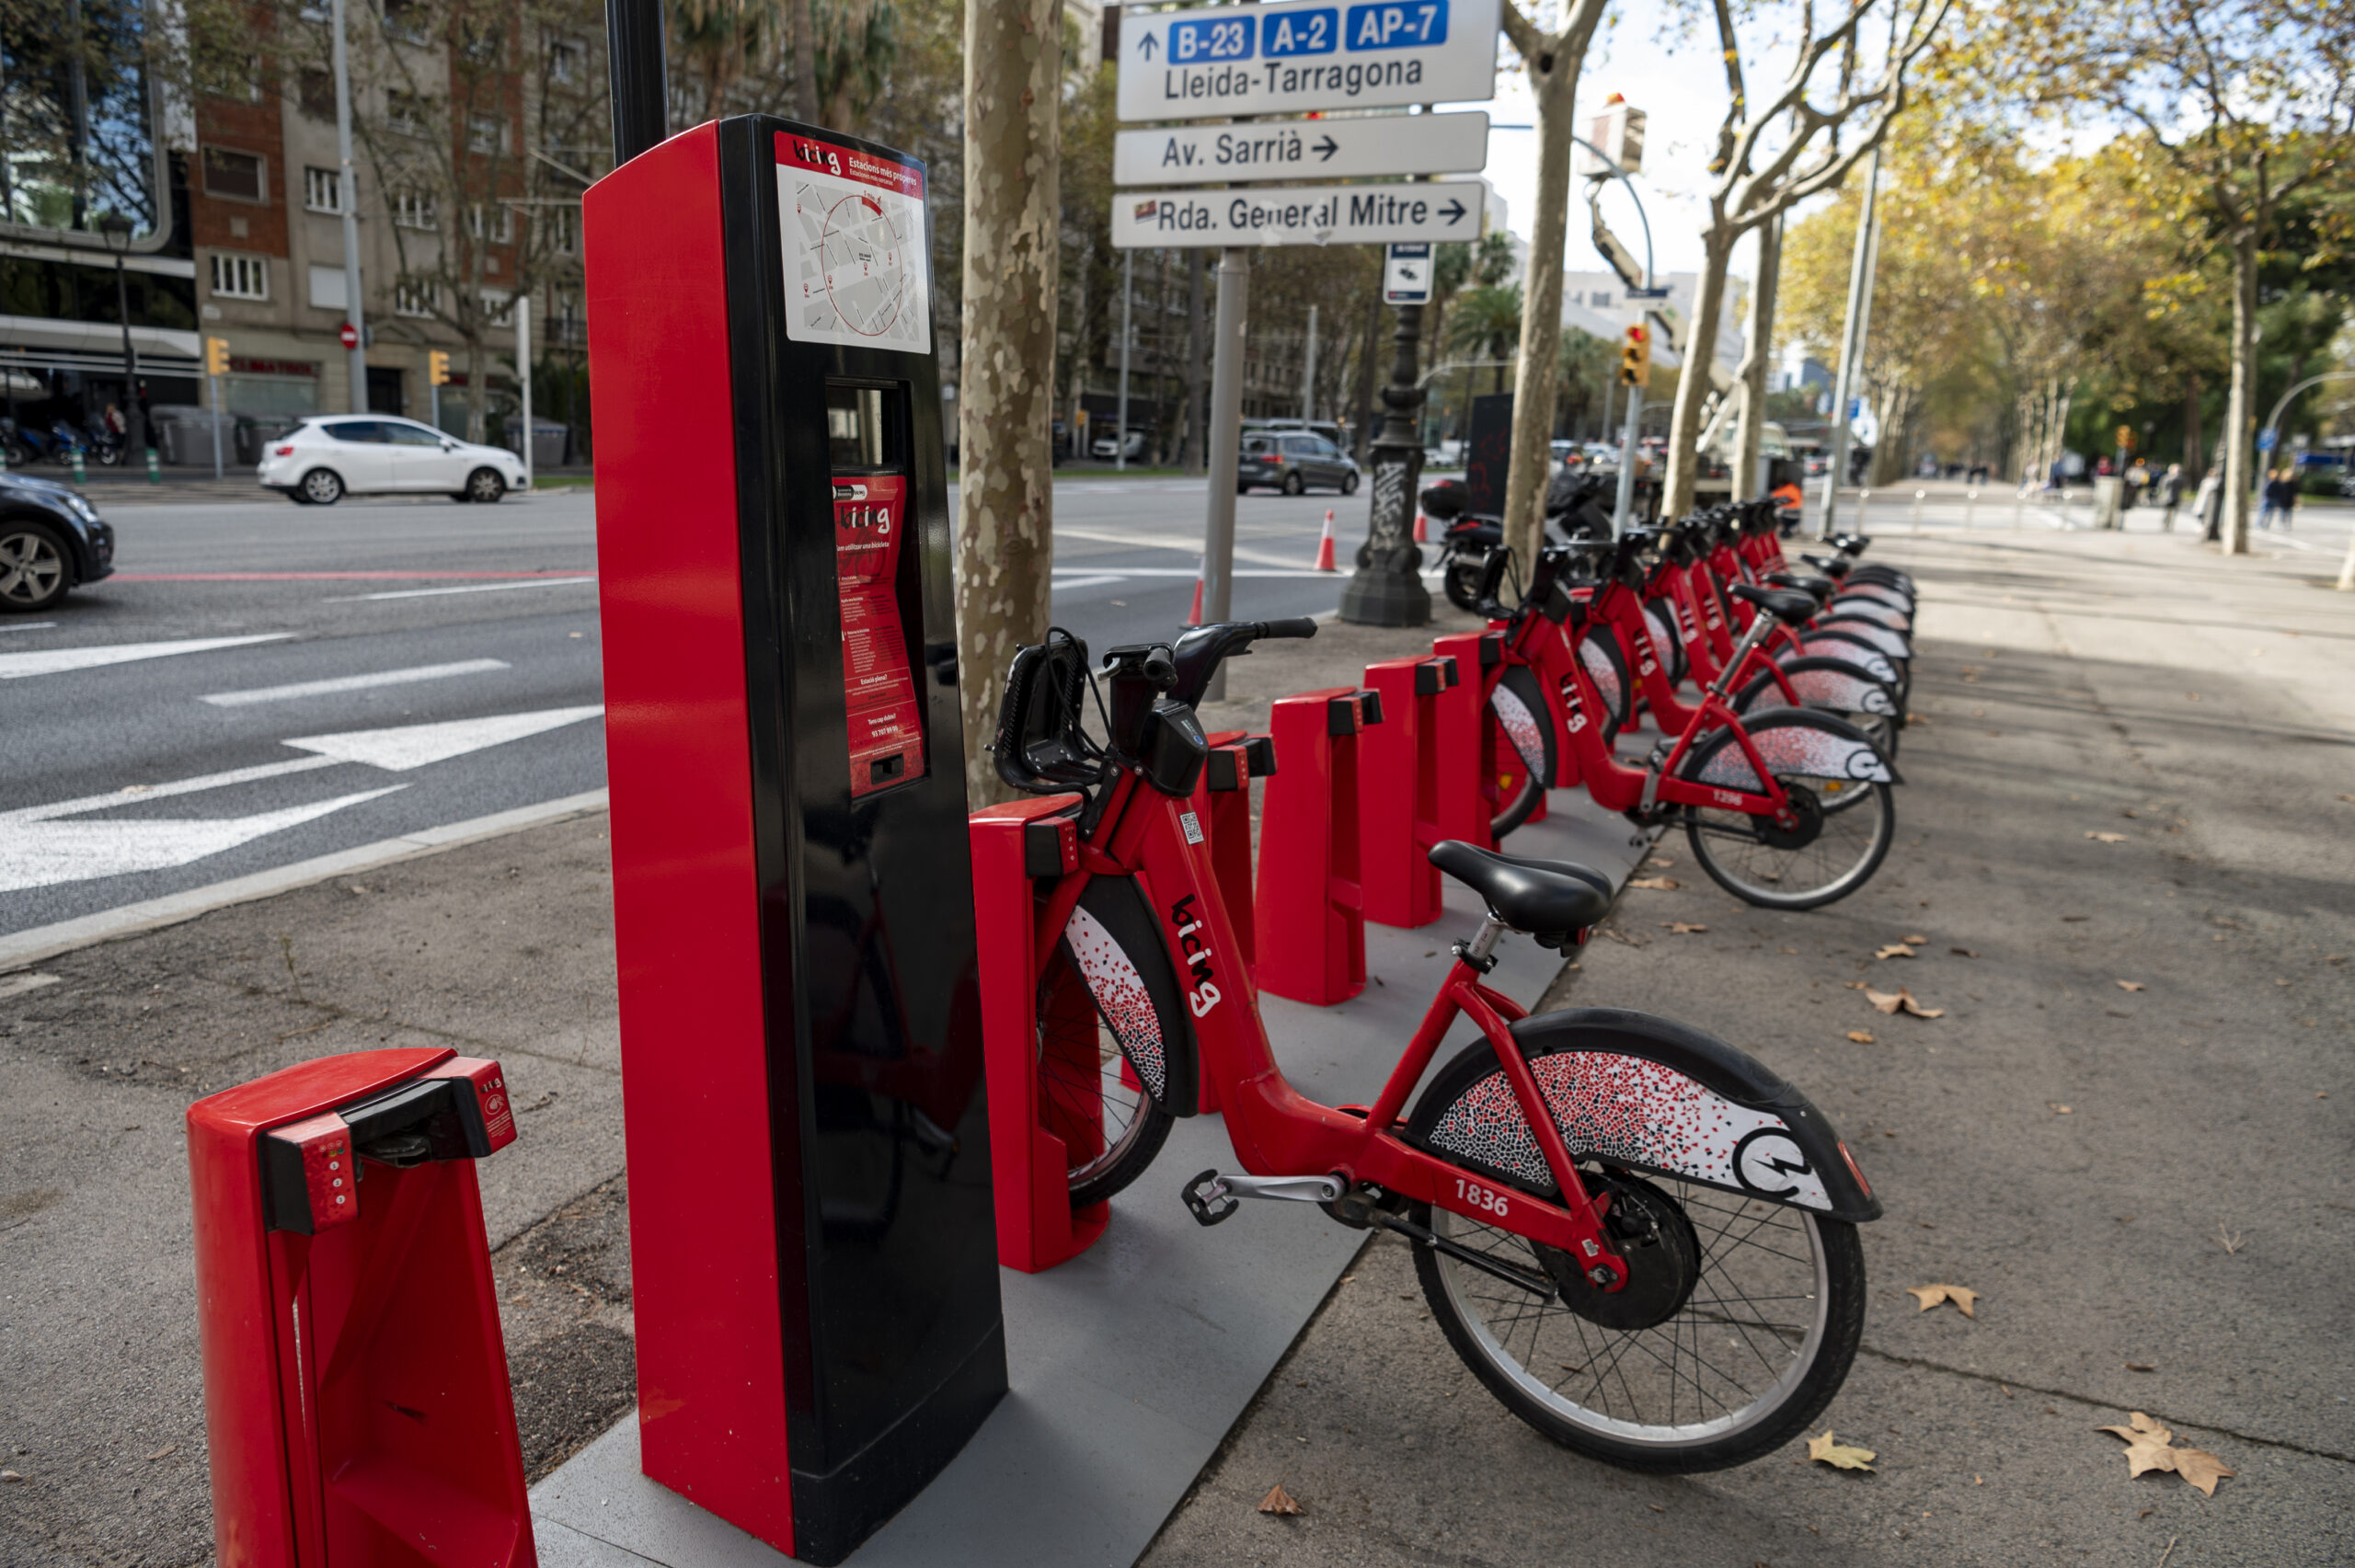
(35, 342)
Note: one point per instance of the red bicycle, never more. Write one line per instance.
(1640, 1240)
(1789, 809)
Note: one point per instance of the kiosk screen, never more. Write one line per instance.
(867, 441)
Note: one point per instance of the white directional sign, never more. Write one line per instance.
(1212, 61)
(1313, 148)
(1407, 275)
(1303, 214)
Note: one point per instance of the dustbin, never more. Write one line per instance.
(183, 435)
(2109, 501)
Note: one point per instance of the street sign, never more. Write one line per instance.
(2267, 438)
(1213, 62)
(1313, 148)
(349, 335)
(1298, 215)
(1407, 275)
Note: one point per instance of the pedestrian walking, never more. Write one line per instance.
(2271, 504)
(2138, 479)
(2170, 496)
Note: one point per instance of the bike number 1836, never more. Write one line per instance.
(1474, 1195)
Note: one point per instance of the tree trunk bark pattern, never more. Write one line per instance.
(1554, 82)
(803, 23)
(1749, 444)
(1693, 379)
(2237, 437)
(1005, 397)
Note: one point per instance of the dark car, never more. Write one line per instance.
(1293, 461)
(51, 539)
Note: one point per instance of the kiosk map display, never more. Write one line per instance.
(855, 247)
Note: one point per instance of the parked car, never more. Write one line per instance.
(51, 539)
(1103, 446)
(323, 459)
(1292, 462)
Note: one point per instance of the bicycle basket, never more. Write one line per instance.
(1040, 749)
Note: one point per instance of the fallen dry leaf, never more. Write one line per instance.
(166, 1452)
(1657, 884)
(2142, 1366)
(2060, 1109)
(1915, 941)
(1894, 950)
(1962, 952)
(1841, 1455)
(1277, 1501)
(1965, 1299)
(1683, 928)
(2349, 798)
(2130, 985)
(1862, 1037)
(1903, 1001)
(2108, 838)
(2148, 1446)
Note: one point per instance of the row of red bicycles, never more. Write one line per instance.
(1641, 1239)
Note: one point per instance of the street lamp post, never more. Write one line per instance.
(1387, 590)
(116, 230)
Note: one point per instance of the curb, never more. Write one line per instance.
(20, 948)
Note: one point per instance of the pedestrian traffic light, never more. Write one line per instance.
(437, 368)
(1635, 358)
(216, 356)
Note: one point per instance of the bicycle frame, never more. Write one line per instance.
(1275, 1129)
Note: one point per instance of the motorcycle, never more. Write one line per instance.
(1573, 510)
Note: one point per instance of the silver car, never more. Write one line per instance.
(1294, 461)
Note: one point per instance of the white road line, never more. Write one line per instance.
(468, 587)
(1088, 582)
(58, 660)
(131, 794)
(407, 746)
(26, 625)
(353, 682)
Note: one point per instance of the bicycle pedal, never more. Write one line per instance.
(1208, 1199)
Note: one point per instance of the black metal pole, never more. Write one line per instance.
(1388, 588)
(635, 68)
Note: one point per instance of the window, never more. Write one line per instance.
(498, 307)
(497, 225)
(405, 19)
(568, 60)
(483, 43)
(417, 297)
(240, 277)
(314, 94)
(412, 435)
(1599, 299)
(238, 176)
(405, 113)
(413, 209)
(323, 189)
(487, 133)
(355, 429)
(564, 229)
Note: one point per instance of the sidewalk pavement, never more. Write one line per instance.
(2056, 696)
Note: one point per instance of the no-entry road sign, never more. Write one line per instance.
(1212, 61)
(1312, 149)
(1307, 214)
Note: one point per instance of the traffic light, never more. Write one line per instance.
(216, 356)
(2126, 438)
(1635, 358)
(437, 368)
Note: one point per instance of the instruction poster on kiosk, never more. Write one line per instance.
(879, 694)
(854, 263)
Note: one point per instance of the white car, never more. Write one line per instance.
(326, 457)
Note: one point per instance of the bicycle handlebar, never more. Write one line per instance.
(1298, 626)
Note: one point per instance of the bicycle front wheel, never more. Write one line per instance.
(1841, 821)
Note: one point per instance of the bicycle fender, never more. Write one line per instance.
(1821, 682)
(1116, 945)
(1651, 1094)
(1804, 742)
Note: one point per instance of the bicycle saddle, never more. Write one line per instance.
(1805, 582)
(1782, 603)
(1831, 565)
(1549, 898)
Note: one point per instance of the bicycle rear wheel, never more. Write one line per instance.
(1737, 1327)
(1843, 812)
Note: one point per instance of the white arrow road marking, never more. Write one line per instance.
(38, 851)
(57, 660)
(414, 745)
(353, 682)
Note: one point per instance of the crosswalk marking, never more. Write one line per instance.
(353, 682)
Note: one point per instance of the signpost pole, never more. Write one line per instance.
(348, 199)
(1308, 373)
(216, 424)
(1226, 441)
(1127, 300)
(1387, 590)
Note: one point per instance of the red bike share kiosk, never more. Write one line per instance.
(813, 1255)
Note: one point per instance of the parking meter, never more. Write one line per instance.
(356, 1402)
(812, 1248)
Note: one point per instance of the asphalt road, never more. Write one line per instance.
(282, 682)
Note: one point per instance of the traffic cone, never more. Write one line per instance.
(1194, 616)
(1422, 529)
(1325, 545)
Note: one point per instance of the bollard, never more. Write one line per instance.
(1031, 1138)
(154, 474)
(80, 474)
(1399, 781)
(1461, 805)
(1918, 494)
(1309, 908)
(1864, 501)
(1970, 507)
(1222, 808)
